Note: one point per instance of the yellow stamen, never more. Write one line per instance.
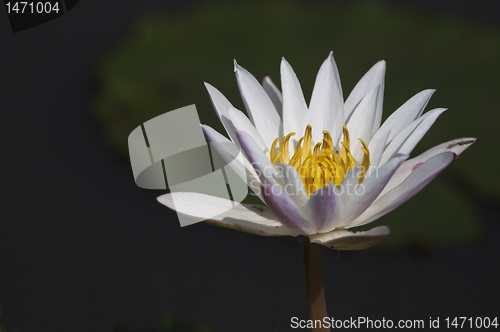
(273, 148)
(348, 159)
(275, 158)
(365, 164)
(306, 151)
(299, 144)
(316, 150)
(295, 158)
(317, 179)
(345, 145)
(316, 166)
(284, 148)
(327, 175)
(327, 140)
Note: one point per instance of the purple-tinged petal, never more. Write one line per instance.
(370, 189)
(242, 123)
(349, 183)
(260, 162)
(293, 185)
(457, 146)
(407, 189)
(342, 239)
(249, 218)
(285, 209)
(324, 208)
(237, 161)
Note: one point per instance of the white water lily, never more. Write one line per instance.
(346, 171)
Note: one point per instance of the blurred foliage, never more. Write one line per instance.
(161, 63)
(167, 325)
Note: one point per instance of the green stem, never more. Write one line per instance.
(313, 256)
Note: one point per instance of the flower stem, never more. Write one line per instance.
(313, 256)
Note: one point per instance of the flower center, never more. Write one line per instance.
(320, 164)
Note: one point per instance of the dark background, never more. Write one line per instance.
(82, 248)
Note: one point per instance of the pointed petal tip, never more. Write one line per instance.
(204, 128)
(464, 141)
(382, 64)
(236, 66)
(284, 62)
(208, 85)
(429, 91)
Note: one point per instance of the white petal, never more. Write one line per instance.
(221, 144)
(293, 185)
(405, 115)
(250, 218)
(373, 78)
(420, 131)
(259, 107)
(327, 103)
(285, 209)
(349, 182)
(457, 146)
(274, 94)
(260, 162)
(409, 137)
(376, 147)
(345, 240)
(361, 122)
(242, 123)
(295, 112)
(221, 106)
(368, 191)
(407, 189)
(324, 208)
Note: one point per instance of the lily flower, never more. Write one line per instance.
(321, 169)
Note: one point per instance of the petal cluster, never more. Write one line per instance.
(336, 203)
